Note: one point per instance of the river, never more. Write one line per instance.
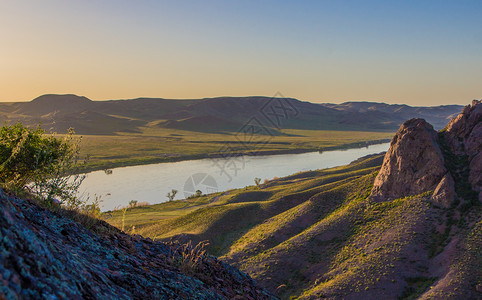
(151, 183)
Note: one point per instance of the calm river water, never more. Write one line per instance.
(151, 183)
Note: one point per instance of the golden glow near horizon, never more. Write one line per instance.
(426, 53)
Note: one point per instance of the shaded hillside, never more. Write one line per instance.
(222, 114)
(404, 225)
(438, 116)
(45, 255)
(209, 124)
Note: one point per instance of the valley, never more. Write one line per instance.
(151, 130)
(405, 224)
(241, 150)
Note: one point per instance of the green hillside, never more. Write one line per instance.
(317, 234)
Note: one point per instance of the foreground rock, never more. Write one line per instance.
(44, 255)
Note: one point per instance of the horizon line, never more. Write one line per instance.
(224, 96)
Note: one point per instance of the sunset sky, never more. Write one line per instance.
(413, 52)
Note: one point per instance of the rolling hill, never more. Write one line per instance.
(222, 114)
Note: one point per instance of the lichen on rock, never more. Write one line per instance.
(46, 255)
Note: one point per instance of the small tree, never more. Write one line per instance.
(171, 194)
(132, 203)
(257, 181)
(198, 193)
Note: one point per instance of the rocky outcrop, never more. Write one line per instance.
(463, 133)
(45, 255)
(414, 163)
(464, 137)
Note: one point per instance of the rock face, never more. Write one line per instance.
(464, 137)
(44, 255)
(414, 163)
(444, 194)
(464, 131)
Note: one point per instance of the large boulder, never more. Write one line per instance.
(414, 163)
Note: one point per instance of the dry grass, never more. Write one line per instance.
(188, 257)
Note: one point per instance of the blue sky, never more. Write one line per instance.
(414, 52)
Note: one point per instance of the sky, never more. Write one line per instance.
(412, 52)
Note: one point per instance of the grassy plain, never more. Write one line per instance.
(155, 145)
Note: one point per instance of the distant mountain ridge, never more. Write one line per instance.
(221, 114)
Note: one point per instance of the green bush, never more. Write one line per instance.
(40, 163)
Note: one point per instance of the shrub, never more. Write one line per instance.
(189, 258)
(41, 164)
(132, 203)
(24, 151)
(198, 194)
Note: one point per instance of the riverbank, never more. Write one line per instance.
(151, 183)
